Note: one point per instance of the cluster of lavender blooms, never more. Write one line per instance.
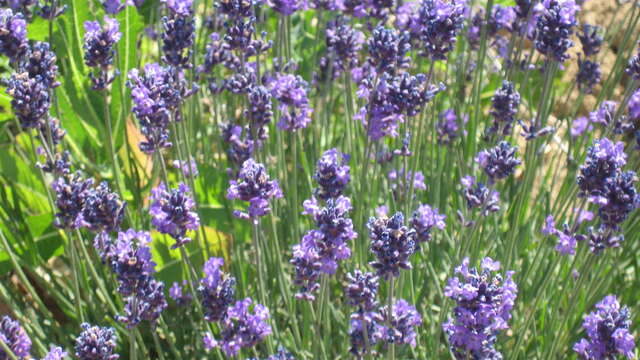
(608, 332)
(95, 342)
(172, 212)
(498, 162)
(99, 47)
(589, 71)
(216, 290)
(478, 195)
(254, 186)
(450, 126)
(436, 26)
(554, 28)
(568, 237)
(15, 338)
(178, 33)
(504, 108)
(130, 260)
(392, 94)
(320, 250)
(81, 205)
(291, 93)
(157, 95)
(343, 45)
(603, 182)
(13, 35)
(242, 325)
(392, 243)
(401, 183)
(424, 220)
(484, 300)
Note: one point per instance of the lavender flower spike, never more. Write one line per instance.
(103, 210)
(424, 219)
(555, 27)
(439, 23)
(608, 332)
(14, 336)
(243, 329)
(99, 47)
(96, 343)
(172, 212)
(13, 34)
(392, 243)
(254, 186)
(498, 162)
(216, 290)
(291, 93)
(404, 319)
(484, 302)
(56, 353)
(332, 174)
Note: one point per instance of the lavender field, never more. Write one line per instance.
(319, 179)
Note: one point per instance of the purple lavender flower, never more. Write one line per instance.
(286, 7)
(618, 199)
(590, 39)
(504, 108)
(259, 111)
(439, 23)
(254, 186)
(240, 144)
(188, 168)
(361, 292)
(604, 160)
(332, 174)
(146, 304)
(99, 47)
(179, 295)
(633, 68)
(180, 7)
(392, 243)
(103, 210)
(15, 338)
(40, 63)
(608, 332)
(243, 329)
(217, 290)
(343, 45)
(216, 52)
(357, 334)
(580, 125)
(387, 49)
(401, 182)
(113, 7)
(484, 300)
(130, 260)
(172, 212)
(291, 93)
(157, 95)
(403, 321)
(555, 27)
(424, 219)
(30, 99)
(602, 238)
(178, 33)
(71, 192)
(334, 231)
(502, 18)
(588, 75)
(391, 99)
(236, 8)
(307, 268)
(448, 126)
(96, 343)
(498, 162)
(633, 106)
(330, 5)
(478, 195)
(56, 353)
(605, 113)
(13, 35)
